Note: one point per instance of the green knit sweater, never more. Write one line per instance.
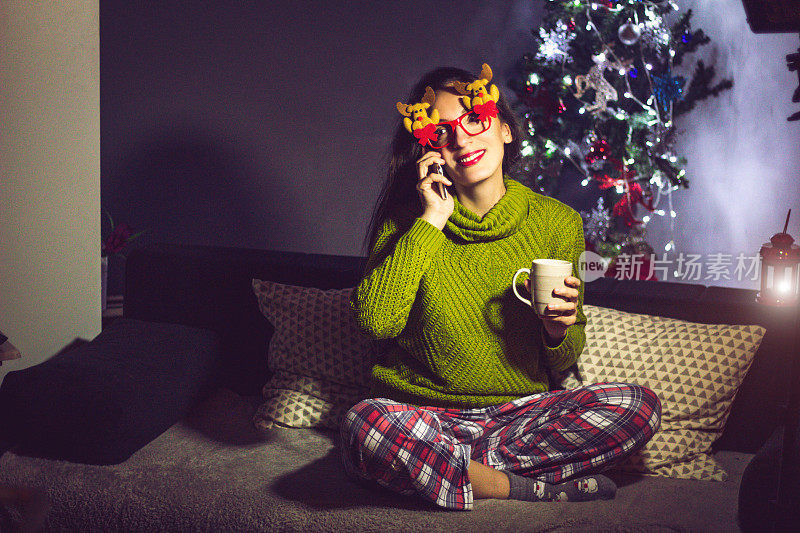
(457, 335)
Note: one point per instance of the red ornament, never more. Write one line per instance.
(571, 24)
(604, 181)
(624, 207)
(599, 150)
(633, 195)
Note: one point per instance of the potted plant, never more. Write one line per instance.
(114, 244)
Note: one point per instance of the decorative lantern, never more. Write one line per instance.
(780, 270)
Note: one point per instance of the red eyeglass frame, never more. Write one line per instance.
(457, 123)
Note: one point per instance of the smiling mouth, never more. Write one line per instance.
(471, 158)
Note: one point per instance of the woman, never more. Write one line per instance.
(461, 403)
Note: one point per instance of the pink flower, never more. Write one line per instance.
(121, 235)
(117, 240)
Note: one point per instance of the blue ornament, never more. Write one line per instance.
(667, 88)
(633, 72)
(686, 37)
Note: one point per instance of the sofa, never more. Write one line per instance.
(149, 427)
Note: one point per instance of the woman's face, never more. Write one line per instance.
(470, 159)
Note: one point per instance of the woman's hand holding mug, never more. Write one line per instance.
(554, 296)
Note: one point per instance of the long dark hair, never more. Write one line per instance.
(401, 173)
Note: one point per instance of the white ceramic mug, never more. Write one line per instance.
(545, 275)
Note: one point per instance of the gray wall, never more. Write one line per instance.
(744, 157)
(262, 124)
(49, 176)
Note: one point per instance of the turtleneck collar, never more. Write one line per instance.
(502, 220)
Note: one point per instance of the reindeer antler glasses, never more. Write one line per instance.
(478, 99)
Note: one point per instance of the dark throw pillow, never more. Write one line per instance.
(102, 401)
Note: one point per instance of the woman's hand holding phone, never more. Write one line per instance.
(437, 203)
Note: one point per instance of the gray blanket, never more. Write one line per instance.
(215, 472)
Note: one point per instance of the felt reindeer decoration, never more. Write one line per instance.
(478, 97)
(422, 126)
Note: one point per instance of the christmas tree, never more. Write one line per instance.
(600, 95)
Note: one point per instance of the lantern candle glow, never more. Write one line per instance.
(780, 270)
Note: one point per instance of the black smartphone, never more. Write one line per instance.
(437, 168)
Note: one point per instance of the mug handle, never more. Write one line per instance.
(514, 284)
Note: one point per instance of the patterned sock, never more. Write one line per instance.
(582, 489)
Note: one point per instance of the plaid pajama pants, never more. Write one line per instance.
(551, 436)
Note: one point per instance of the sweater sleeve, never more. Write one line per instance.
(382, 300)
(561, 357)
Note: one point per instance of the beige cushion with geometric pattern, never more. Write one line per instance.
(321, 361)
(694, 369)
